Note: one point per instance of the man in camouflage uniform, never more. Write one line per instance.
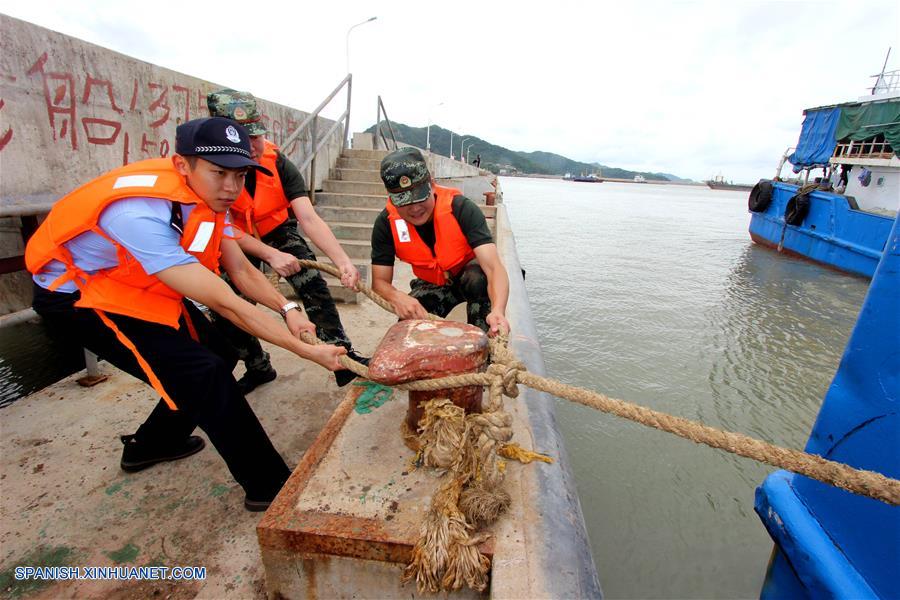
(449, 246)
(272, 236)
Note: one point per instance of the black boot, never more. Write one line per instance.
(137, 456)
(345, 376)
(258, 502)
(254, 378)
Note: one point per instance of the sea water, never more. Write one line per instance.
(656, 295)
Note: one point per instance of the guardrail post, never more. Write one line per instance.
(90, 363)
(346, 142)
(312, 164)
(94, 376)
(377, 121)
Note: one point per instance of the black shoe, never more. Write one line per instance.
(256, 505)
(264, 501)
(137, 457)
(255, 378)
(345, 376)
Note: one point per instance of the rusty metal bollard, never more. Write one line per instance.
(416, 349)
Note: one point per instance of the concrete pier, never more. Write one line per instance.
(65, 501)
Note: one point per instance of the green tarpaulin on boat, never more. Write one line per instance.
(864, 121)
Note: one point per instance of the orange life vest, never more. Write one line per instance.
(268, 207)
(126, 289)
(451, 249)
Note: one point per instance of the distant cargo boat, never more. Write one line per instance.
(718, 183)
(639, 179)
(590, 178)
(843, 218)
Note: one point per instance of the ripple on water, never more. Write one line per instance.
(656, 295)
(30, 361)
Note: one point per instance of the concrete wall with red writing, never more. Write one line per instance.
(70, 110)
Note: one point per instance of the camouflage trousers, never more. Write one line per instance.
(469, 286)
(311, 289)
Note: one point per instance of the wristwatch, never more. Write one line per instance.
(288, 307)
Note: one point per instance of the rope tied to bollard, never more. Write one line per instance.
(471, 447)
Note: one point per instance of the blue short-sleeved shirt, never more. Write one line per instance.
(141, 226)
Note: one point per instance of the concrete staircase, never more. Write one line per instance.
(349, 204)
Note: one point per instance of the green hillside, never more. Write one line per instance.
(496, 158)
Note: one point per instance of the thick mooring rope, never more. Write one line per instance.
(506, 371)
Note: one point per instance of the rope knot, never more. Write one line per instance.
(496, 426)
(508, 371)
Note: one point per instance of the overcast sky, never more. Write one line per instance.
(689, 88)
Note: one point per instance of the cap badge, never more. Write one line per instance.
(239, 113)
(405, 182)
(232, 134)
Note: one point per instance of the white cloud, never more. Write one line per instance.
(690, 88)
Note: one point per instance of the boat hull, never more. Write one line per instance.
(833, 233)
(830, 543)
(728, 186)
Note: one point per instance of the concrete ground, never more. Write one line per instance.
(65, 502)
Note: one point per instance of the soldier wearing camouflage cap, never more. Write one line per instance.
(445, 237)
(237, 106)
(266, 211)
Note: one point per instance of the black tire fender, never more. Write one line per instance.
(760, 196)
(797, 209)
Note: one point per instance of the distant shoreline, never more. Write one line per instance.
(608, 179)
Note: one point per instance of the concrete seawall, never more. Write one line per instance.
(441, 167)
(70, 110)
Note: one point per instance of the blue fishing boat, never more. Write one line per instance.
(841, 219)
(830, 543)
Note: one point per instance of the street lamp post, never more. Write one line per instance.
(369, 20)
(428, 130)
(462, 149)
(469, 153)
(451, 144)
(347, 56)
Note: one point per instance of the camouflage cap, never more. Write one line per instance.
(405, 176)
(237, 106)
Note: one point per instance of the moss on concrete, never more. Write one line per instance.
(43, 556)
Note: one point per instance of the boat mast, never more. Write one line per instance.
(880, 76)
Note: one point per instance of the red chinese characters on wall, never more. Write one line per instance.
(87, 109)
(102, 132)
(59, 95)
(6, 135)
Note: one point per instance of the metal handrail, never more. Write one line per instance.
(311, 158)
(315, 113)
(380, 132)
(784, 159)
(886, 82)
(311, 121)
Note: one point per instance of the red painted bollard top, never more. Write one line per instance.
(416, 349)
